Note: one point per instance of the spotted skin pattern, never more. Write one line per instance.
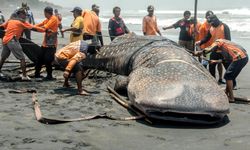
(163, 78)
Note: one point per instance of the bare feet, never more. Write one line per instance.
(84, 93)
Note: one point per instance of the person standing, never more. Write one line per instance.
(14, 28)
(77, 25)
(29, 18)
(149, 24)
(232, 53)
(116, 25)
(218, 30)
(185, 39)
(50, 24)
(92, 25)
(59, 17)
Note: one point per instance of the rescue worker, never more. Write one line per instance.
(92, 24)
(203, 31)
(59, 17)
(116, 25)
(14, 29)
(185, 39)
(233, 53)
(70, 58)
(77, 25)
(218, 30)
(149, 23)
(49, 43)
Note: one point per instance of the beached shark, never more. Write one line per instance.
(164, 81)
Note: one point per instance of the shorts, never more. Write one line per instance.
(14, 47)
(235, 68)
(64, 63)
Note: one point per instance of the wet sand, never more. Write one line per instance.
(20, 130)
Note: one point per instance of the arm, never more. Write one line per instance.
(75, 59)
(175, 25)
(111, 31)
(99, 34)
(205, 39)
(211, 48)
(156, 26)
(144, 26)
(125, 27)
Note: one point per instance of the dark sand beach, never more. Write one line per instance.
(20, 130)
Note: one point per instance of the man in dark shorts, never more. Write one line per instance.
(232, 53)
(70, 57)
(185, 39)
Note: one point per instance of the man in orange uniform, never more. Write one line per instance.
(218, 30)
(14, 29)
(149, 24)
(92, 24)
(204, 29)
(49, 43)
(70, 58)
(233, 53)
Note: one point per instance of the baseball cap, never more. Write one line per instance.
(76, 9)
(95, 6)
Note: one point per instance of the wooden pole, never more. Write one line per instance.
(195, 22)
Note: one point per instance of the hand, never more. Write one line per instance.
(215, 61)
(198, 43)
(66, 74)
(164, 28)
(198, 53)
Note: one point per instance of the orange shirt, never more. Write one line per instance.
(217, 32)
(192, 31)
(149, 25)
(203, 31)
(52, 25)
(71, 53)
(91, 22)
(15, 28)
(235, 51)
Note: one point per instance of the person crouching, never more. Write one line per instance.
(70, 57)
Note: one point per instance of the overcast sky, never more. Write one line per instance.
(159, 4)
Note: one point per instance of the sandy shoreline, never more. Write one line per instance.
(20, 130)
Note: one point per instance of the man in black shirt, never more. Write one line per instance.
(185, 39)
(117, 26)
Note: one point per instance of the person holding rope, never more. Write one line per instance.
(235, 57)
(70, 57)
(77, 25)
(49, 43)
(14, 29)
(92, 24)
